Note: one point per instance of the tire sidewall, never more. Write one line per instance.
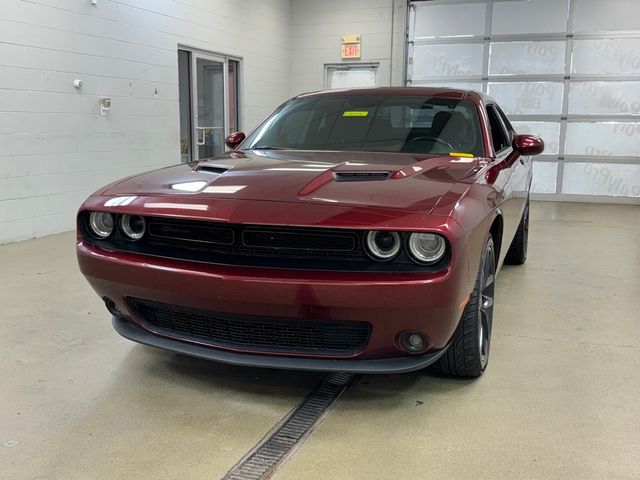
(489, 249)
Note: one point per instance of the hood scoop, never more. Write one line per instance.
(216, 169)
(360, 176)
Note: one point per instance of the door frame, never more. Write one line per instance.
(198, 53)
(196, 130)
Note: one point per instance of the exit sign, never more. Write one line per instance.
(350, 51)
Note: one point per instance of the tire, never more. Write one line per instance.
(517, 253)
(468, 353)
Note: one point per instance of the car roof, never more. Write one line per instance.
(471, 95)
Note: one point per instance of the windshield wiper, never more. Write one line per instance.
(267, 147)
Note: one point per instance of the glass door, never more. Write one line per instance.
(209, 104)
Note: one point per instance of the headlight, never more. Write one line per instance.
(383, 245)
(427, 247)
(101, 224)
(133, 226)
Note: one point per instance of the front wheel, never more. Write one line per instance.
(468, 354)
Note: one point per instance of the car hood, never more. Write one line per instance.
(380, 179)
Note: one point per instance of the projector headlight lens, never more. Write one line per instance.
(133, 226)
(383, 245)
(427, 247)
(101, 224)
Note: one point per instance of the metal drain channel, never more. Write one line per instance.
(261, 462)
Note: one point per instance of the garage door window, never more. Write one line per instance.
(566, 70)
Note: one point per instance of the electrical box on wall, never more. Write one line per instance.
(105, 106)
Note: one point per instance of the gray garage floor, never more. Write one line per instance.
(560, 398)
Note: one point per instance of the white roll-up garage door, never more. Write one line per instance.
(567, 70)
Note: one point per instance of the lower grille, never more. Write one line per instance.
(254, 332)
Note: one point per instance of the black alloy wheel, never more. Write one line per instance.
(468, 353)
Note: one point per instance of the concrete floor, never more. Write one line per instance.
(560, 398)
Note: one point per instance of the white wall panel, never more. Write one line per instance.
(55, 148)
(317, 28)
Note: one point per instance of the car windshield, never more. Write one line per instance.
(412, 124)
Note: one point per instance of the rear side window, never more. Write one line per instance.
(499, 136)
(506, 123)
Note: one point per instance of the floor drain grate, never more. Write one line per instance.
(261, 462)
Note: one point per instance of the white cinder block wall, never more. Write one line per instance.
(55, 148)
(317, 27)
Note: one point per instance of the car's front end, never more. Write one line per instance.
(290, 285)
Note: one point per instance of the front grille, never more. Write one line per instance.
(257, 333)
(267, 238)
(264, 246)
(253, 240)
(191, 233)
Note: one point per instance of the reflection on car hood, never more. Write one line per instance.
(381, 179)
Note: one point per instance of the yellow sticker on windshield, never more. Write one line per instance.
(459, 154)
(359, 113)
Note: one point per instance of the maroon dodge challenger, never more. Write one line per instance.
(353, 230)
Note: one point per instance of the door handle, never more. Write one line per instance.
(202, 140)
(200, 130)
(522, 160)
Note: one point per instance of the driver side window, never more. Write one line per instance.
(499, 136)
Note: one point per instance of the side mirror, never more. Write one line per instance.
(233, 140)
(528, 144)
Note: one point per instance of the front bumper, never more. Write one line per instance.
(385, 365)
(391, 303)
